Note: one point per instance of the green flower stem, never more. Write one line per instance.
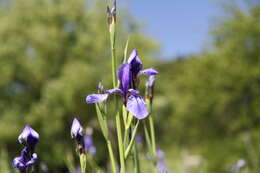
(147, 137)
(129, 147)
(152, 133)
(152, 136)
(124, 115)
(126, 138)
(120, 143)
(136, 160)
(111, 155)
(83, 162)
(104, 128)
(102, 121)
(112, 31)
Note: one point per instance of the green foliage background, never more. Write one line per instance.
(53, 53)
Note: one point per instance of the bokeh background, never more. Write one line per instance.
(207, 103)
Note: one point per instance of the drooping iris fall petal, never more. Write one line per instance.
(136, 106)
(96, 98)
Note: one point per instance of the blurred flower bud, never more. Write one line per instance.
(76, 130)
(111, 14)
(149, 89)
(28, 137)
(100, 88)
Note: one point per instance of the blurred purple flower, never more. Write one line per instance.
(89, 146)
(28, 137)
(76, 130)
(78, 170)
(24, 161)
(134, 103)
(161, 166)
(139, 138)
(27, 158)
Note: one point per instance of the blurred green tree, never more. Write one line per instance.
(52, 54)
(213, 100)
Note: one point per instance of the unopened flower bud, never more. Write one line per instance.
(149, 90)
(28, 137)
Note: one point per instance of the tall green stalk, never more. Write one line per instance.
(111, 155)
(112, 32)
(120, 143)
(83, 162)
(152, 135)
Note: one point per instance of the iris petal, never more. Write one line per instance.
(149, 71)
(114, 91)
(133, 92)
(29, 136)
(124, 77)
(94, 98)
(33, 160)
(135, 62)
(136, 106)
(76, 129)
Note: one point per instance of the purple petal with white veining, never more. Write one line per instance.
(136, 106)
(133, 92)
(95, 98)
(124, 77)
(149, 71)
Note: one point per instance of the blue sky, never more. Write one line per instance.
(181, 26)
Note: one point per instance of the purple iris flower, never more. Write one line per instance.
(139, 138)
(28, 137)
(136, 67)
(134, 103)
(76, 130)
(24, 161)
(161, 166)
(27, 158)
(89, 146)
(78, 170)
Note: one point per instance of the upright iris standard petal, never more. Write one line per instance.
(135, 62)
(76, 130)
(28, 137)
(95, 98)
(136, 106)
(149, 71)
(124, 77)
